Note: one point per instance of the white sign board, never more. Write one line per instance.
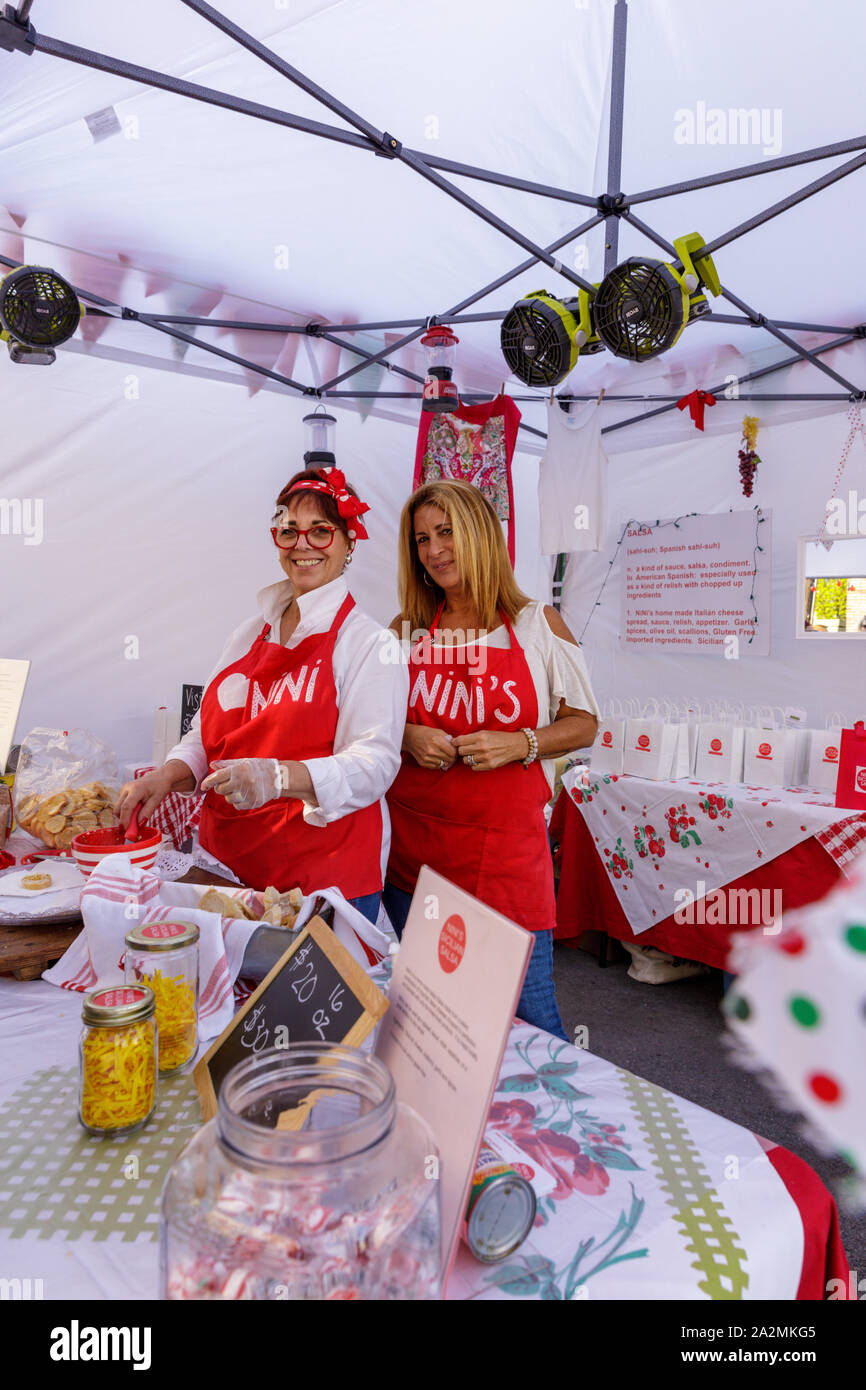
(13, 678)
(689, 587)
(456, 982)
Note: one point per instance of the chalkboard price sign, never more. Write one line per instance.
(189, 706)
(316, 992)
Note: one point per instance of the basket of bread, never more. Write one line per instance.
(280, 909)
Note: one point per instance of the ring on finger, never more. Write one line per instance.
(470, 760)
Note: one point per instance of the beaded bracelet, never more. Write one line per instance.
(533, 746)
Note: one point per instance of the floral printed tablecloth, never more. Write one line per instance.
(667, 845)
(653, 1197)
(640, 1193)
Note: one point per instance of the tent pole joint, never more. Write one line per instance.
(612, 204)
(389, 147)
(17, 34)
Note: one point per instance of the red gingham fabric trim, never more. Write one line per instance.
(178, 816)
(844, 840)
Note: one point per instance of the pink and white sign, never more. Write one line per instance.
(456, 982)
(688, 588)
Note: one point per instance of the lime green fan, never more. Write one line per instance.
(641, 307)
(542, 336)
(38, 311)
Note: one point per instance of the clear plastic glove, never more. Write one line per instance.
(246, 783)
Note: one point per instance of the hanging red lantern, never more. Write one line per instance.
(440, 392)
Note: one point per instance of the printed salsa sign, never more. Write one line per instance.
(690, 587)
(316, 992)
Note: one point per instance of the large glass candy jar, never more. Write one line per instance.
(312, 1182)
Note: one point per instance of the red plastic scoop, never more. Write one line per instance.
(132, 832)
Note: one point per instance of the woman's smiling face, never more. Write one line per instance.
(306, 566)
(435, 541)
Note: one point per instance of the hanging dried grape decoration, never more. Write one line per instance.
(747, 457)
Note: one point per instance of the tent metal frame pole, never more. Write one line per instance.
(782, 206)
(540, 400)
(219, 352)
(747, 171)
(134, 72)
(758, 319)
(495, 316)
(614, 143)
(857, 330)
(16, 32)
(449, 316)
(314, 328)
(751, 376)
(387, 144)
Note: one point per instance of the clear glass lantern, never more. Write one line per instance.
(440, 392)
(319, 431)
(313, 1182)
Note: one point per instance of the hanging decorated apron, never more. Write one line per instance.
(474, 444)
(485, 831)
(280, 702)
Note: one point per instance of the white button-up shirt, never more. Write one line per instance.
(372, 683)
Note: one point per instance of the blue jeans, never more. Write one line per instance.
(368, 906)
(537, 1004)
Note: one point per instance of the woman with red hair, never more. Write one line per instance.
(298, 734)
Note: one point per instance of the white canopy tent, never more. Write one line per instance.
(156, 462)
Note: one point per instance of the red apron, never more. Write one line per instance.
(485, 831)
(290, 713)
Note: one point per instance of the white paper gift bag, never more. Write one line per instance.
(681, 765)
(606, 755)
(769, 757)
(719, 753)
(649, 748)
(822, 768)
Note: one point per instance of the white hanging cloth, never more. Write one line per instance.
(572, 481)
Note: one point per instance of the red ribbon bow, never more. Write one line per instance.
(349, 507)
(696, 400)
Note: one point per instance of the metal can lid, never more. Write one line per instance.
(501, 1218)
(108, 1008)
(162, 936)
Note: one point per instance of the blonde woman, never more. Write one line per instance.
(497, 689)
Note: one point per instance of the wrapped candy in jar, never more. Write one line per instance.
(118, 1060)
(312, 1182)
(164, 956)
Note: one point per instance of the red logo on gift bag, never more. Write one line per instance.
(831, 753)
(765, 750)
(851, 782)
(715, 745)
(607, 737)
(643, 741)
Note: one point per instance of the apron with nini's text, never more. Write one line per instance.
(290, 713)
(485, 831)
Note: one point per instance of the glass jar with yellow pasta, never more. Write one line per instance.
(118, 1054)
(164, 956)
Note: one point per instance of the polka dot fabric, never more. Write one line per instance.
(799, 1005)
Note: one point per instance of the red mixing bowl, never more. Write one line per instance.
(93, 845)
